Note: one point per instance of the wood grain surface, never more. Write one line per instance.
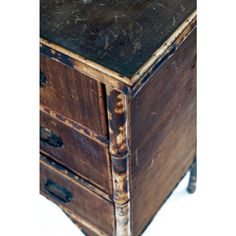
(119, 35)
(73, 94)
(79, 153)
(163, 131)
(96, 211)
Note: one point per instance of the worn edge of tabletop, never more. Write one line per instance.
(111, 77)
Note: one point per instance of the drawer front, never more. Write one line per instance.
(72, 94)
(72, 197)
(82, 155)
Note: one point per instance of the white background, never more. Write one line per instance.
(211, 211)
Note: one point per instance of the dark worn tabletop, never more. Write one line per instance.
(120, 35)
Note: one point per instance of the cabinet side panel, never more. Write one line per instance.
(163, 133)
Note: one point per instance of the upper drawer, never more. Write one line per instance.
(72, 94)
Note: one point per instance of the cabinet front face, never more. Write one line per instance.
(93, 212)
(72, 94)
(75, 151)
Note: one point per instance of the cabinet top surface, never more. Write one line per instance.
(120, 35)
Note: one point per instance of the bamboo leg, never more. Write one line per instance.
(193, 178)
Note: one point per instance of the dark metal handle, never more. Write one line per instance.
(47, 137)
(58, 192)
(43, 79)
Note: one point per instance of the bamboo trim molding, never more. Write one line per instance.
(117, 105)
(119, 146)
(123, 219)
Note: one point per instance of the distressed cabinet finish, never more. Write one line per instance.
(117, 109)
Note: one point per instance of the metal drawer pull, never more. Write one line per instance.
(58, 192)
(43, 79)
(47, 137)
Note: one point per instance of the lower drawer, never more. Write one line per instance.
(88, 209)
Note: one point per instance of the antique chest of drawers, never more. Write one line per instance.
(117, 108)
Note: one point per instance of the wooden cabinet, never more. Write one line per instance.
(118, 109)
